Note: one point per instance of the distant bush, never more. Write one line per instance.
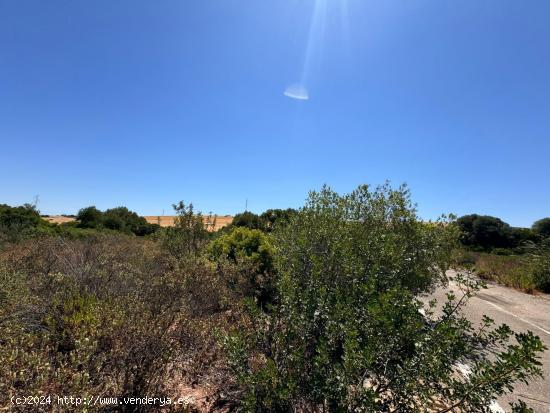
(188, 236)
(542, 227)
(509, 270)
(19, 222)
(273, 217)
(539, 264)
(249, 220)
(118, 219)
(264, 222)
(485, 233)
(90, 217)
(529, 271)
(124, 220)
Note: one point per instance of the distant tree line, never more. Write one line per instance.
(266, 221)
(25, 221)
(487, 233)
(119, 219)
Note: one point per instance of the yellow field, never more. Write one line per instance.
(209, 220)
(213, 223)
(58, 219)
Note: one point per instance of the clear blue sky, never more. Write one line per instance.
(144, 103)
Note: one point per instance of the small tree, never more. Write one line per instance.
(90, 217)
(273, 217)
(542, 227)
(249, 220)
(19, 222)
(188, 235)
(485, 232)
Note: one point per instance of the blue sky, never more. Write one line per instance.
(144, 103)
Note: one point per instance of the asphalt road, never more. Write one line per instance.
(521, 312)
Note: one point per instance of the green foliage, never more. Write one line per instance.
(90, 311)
(108, 315)
(273, 217)
(249, 220)
(265, 222)
(542, 227)
(20, 222)
(90, 217)
(538, 262)
(118, 219)
(124, 220)
(241, 244)
(346, 333)
(485, 232)
(528, 272)
(251, 249)
(521, 407)
(188, 235)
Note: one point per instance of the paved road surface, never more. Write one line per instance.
(521, 312)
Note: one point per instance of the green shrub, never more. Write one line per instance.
(510, 270)
(104, 315)
(486, 233)
(251, 250)
(188, 236)
(346, 333)
(542, 227)
(243, 244)
(277, 217)
(19, 222)
(117, 219)
(249, 220)
(539, 264)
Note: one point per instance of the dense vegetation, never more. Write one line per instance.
(119, 219)
(314, 310)
(266, 221)
(18, 222)
(516, 257)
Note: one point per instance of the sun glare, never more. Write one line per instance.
(316, 34)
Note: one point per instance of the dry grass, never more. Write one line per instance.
(58, 219)
(511, 271)
(212, 222)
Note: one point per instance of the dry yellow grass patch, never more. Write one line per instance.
(212, 222)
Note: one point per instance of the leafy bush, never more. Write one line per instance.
(539, 264)
(105, 315)
(542, 227)
(265, 222)
(346, 333)
(118, 219)
(20, 222)
(251, 249)
(485, 232)
(273, 217)
(188, 236)
(90, 217)
(249, 220)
